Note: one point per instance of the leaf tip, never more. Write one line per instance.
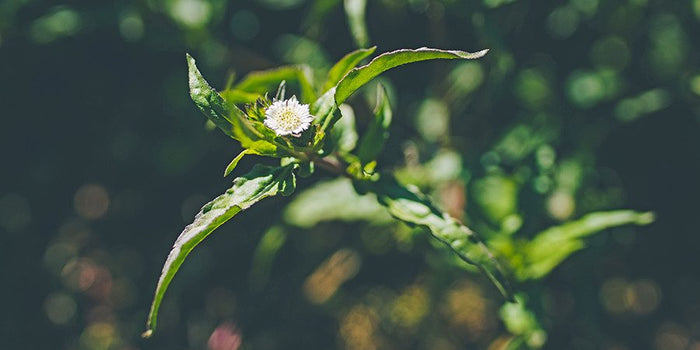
(646, 218)
(147, 334)
(189, 59)
(481, 53)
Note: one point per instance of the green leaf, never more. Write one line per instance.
(261, 82)
(550, 247)
(410, 206)
(360, 76)
(344, 134)
(355, 11)
(208, 100)
(333, 200)
(345, 64)
(523, 323)
(377, 133)
(234, 97)
(263, 257)
(326, 111)
(254, 135)
(228, 117)
(261, 182)
(234, 162)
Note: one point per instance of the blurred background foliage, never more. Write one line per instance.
(581, 106)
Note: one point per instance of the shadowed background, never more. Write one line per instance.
(580, 106)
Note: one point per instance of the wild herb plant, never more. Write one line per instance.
(312, 129)
(303, 134)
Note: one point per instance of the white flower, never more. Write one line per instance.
(288, 117)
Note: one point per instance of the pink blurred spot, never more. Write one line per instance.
(225, 337)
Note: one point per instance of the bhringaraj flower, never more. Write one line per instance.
(287, 117)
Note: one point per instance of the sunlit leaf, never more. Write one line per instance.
(360, 76)
(208, 100)
(409, 205)
(344, 133)
(326, 111)
(261, 182)
(234, 162)
(373, 140)
(330, 201)
(228, 117)
(345, 64)
(253, 135)
(550, 247)
(261, 82)
(522, 322)
(234, 97)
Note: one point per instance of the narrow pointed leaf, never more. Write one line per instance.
(550, 247)
(345, 64)
(261, 182)
(344, 134)
(234, 162)
(234, 97)
(263, 257)
(377, 133)
(410, 206)
(326, 111)
(208, 100)
(360, 76)
(261, 82)
(254, 135)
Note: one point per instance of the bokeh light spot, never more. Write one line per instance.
(668, 44)
(610, 52)
(619, 296)
(585, 89)
(280, 4)
(648, 102)
(225, 337)
(300, 50)
(358, 327)
(91, 201)
(57, 255)
(612, 295)
(131, 27)
(562, 22)
(433, 120)
(695, 84)
(191, 13)
(410, 307)
(465, 78)
(561, 205)
(467, 309)
(245, 25)
(586, 7)
(60, 308)
(98, 336)
(331, 274)
(532, 88)
(671, 336)
(61, 22)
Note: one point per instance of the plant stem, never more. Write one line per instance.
(331, 164)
